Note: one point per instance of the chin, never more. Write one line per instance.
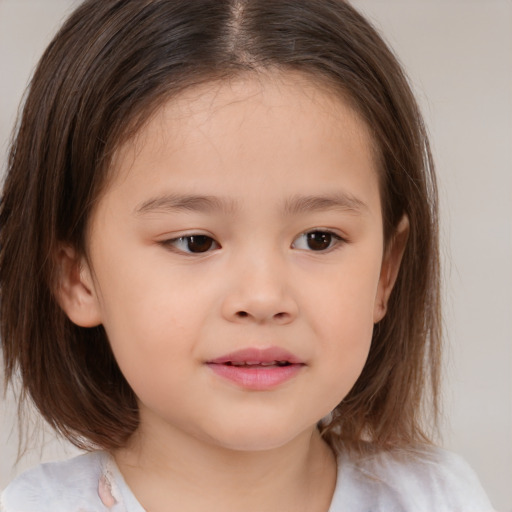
(257, 438)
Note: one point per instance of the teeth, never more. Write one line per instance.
(258, 363)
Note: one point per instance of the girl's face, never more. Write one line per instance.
(236, 261)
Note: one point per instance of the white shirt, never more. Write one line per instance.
(432, 480)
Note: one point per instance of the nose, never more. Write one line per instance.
(259, 292)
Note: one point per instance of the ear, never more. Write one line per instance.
(74, 289)
(390, 267)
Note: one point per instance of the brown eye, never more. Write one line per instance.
(192, 244)
(319, 240)
(198, 243)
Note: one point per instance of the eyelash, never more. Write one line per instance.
(207, 243)
(333, 239)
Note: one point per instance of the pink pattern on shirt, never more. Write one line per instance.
(105, 492)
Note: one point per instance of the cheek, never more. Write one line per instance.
(346, 357)
(343, 313)
(343, 302)
(150, 326)
(347, 339)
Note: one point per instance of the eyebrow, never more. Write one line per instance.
(338, 201)
(175, 202)
(207, 204)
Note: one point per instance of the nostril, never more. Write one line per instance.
(281, 318)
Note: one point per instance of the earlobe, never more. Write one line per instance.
(74, 289)
(390, 268)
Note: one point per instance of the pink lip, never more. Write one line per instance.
(257, 369)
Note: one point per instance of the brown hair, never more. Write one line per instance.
(109, 67)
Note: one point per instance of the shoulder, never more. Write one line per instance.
(419, 480)
(67, 486)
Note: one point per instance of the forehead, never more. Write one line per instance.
(224, 137)
(249, 103)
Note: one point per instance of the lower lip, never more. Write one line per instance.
(257, 378)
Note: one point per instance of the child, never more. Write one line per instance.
(219, 268)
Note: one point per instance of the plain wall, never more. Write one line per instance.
(458, 54)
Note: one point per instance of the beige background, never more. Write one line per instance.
(459, 57)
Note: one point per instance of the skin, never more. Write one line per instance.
(256, 145)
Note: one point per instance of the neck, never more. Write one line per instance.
(188, 474)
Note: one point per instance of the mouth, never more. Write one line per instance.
(257, 369)
(256, 364)
(271, 356)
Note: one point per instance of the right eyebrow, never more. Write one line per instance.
(173, 202)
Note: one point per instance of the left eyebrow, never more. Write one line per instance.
(339, 201)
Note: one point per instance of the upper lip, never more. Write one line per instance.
(258, 356)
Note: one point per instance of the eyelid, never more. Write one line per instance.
(171, 243)
(339, 239)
